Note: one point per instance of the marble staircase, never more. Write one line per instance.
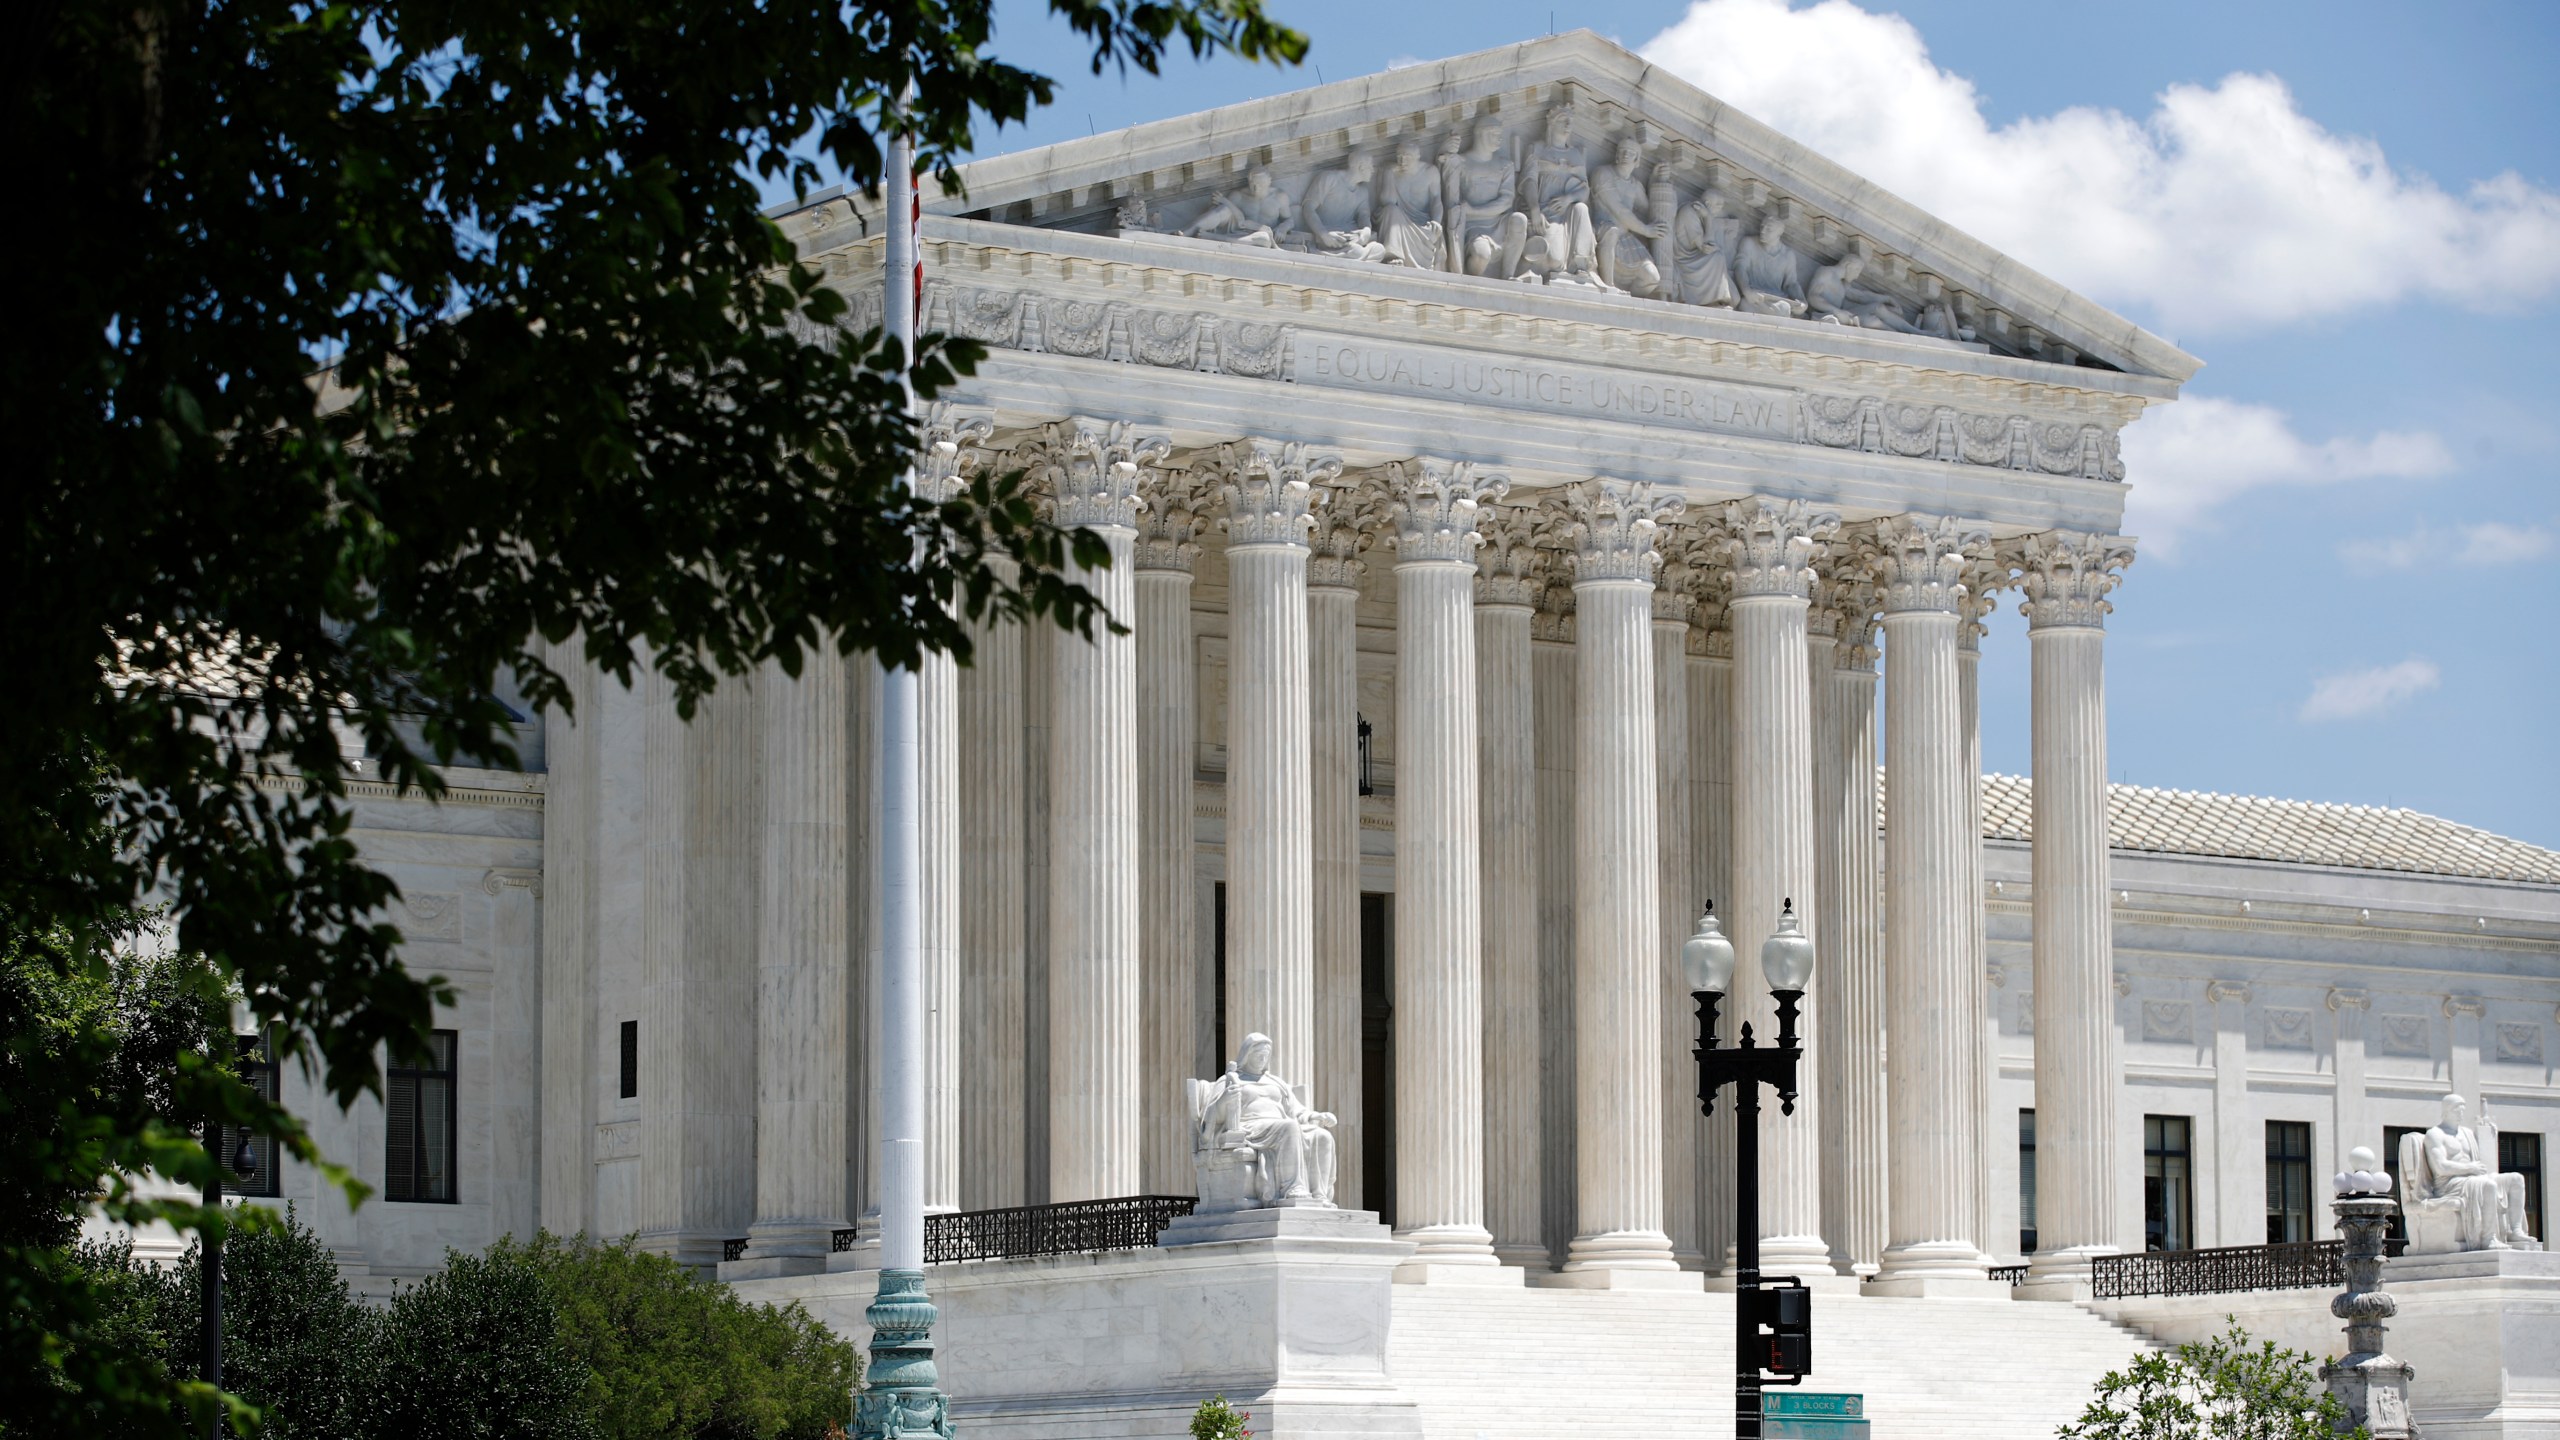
(1528, 1364)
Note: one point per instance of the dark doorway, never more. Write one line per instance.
(1377, 1059)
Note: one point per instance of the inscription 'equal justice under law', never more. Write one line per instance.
(1331, 360)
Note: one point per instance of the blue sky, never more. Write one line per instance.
(2351, 211)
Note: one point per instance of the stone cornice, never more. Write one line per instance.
(2067, 576)
(1432, 509)
(1614, 523)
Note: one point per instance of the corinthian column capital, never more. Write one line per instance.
(1770, 544)
(1985, 576)
(1920, 560)
(1343, 523)
(949, 444)
(1614, 526)
(1846, 608)
(1432, 508)
(1091, 470)
(2067, 576)
(1269, 488)
(1174, 516)
(1509, 570)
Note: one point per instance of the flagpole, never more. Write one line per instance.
(902, 1397)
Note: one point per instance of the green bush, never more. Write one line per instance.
(2218, 1389)
(1218, 1420)
(295, 1343)
(475, 1352)
(670, 1354)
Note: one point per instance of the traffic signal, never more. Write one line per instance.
(1785, 1316)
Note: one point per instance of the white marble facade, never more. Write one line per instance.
(1619, 464)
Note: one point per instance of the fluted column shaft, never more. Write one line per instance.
(1508, 823)
(1678, 908)
(1849, 882)
(1711, 779)
(1551, 665)
(1773, 847)
(1932, 984)
(1998, 1129)
(1333, 705)
(993, 829)
(1618, 1210)
(803, 946)
(571, 995)
(1094, 1042)
(1440, 1177)
(2066, 578)
(938, 885)
(1168, 721)
(1270, 819)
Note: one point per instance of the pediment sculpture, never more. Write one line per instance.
(1541, 209)
(1255, 1142)
(2451, 1191)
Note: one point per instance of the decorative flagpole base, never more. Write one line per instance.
(902, 1397)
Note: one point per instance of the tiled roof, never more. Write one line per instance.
(2303, 832)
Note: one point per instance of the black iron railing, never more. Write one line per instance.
(2014, 1274)
(2307, 1266)
(1130, 1222)
(734, 1249)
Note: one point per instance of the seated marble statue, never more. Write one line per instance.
(1254, 1142)
(1765, 274)
(1260, 214)
(1408, 211)
(2451, 1192)
(1337, 213)
(1704, 241)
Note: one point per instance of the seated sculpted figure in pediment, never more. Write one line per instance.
(2451, 1192)
(1261, 214)
(1254, 1142)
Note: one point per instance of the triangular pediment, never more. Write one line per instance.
(1696, 155)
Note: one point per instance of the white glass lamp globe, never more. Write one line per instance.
(1786, 958)
(1707, 958)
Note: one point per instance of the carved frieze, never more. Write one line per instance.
(2407, 1037)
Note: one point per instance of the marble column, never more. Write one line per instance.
(2348, 1113)
(1673, 608)
(1168, 731)
(1617, 926)
(1848, 881)
(1333, 711)
(1771, 546)
(1270, 820)
(1711, 856)
(803, 948)
(1507, 587)
(2067, 576)
(1551, 665)
(1439, 937)
(571, 996)
(951, 445)
(1092, 469)
(1984, 577)
(1932, 982)
(994, 812)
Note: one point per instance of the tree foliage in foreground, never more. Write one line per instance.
(2222, 1388)
(363, 352)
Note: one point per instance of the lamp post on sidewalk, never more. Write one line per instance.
(1786, 1309)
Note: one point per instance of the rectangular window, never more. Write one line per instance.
(2288, 1182)
(630, 1087)
(2398, 1235)
(1218, 979)
(2026, 1182)
(258, 1176)
(2522, 1155)
(418, 1101)
(2168, 1182)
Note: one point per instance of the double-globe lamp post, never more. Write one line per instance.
(1785, 1309)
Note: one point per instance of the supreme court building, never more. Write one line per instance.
(1533, 488)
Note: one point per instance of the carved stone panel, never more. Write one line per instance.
(433, 916)
(2405, 1036)
(2170, 1022)
(2519, 1042)
(2286, 1029)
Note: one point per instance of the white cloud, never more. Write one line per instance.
(2481, 546)
(2224, 208)
(2185, 459)
(2354, 694)
(1406, 62)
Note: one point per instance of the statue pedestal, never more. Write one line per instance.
(2375, 1390)
(1283, 1311)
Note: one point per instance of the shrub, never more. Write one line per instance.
(670, 1354)
(475, 1352)
(1218, 1420)
(295, 1343)
(2217, 1389)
